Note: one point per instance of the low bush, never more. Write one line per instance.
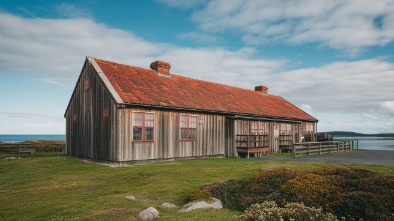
(269, 211)
(355, 194)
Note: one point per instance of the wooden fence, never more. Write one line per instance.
(324, 147)
(22, 147)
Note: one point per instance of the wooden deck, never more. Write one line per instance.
(324, 147)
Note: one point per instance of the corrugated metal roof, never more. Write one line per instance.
(142, 86)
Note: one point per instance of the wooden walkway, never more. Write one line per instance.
(324, 147)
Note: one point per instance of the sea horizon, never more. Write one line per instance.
(14, 138)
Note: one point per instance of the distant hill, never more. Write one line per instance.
(354, 134)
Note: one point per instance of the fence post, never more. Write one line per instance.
(319, 148)
(247, 145)
(309, 149)
(294, 150)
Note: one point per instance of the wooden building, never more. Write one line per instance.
(129, 114)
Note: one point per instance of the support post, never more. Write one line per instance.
(319, 148)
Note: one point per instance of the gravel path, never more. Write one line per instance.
(368, 157)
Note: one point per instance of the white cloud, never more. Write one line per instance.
(369, 122)
(237, 68)
(28, 123)
(54, 49)
(307, 108)
(183, 4)
(338, 87)
(388, 106)
(346, 25)
(71, 11)
(199, 37)
(371, 115)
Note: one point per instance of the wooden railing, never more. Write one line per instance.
(255, 144)
(27, 150)
(324, 147)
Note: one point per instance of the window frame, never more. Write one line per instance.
(144, 125)
(310, 127)
(190, 126)
(258, 128)
(286, 129)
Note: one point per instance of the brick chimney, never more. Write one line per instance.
(262, 89)
(161, 67)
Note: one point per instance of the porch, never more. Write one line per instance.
(255, 144)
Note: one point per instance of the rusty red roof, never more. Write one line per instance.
(140, 86)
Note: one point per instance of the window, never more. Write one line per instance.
(188, 126)
(285, 129)
(143, 124)
(310, 127)
(258, 127)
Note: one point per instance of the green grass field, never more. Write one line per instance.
(55, 187)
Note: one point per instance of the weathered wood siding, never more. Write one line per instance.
(90, 117)
(167, 144)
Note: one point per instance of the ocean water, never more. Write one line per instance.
(365, 143)
(371, 143)
(13, 138)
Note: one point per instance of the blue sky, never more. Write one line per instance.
(333, 59)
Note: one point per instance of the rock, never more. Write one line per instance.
(169, 205)
(12, 158)
(148, 214)
(201, 205)
(130, 198)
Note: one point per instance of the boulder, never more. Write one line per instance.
(149, 214)
(169, 205)
(12, 158)
(130, 197)
(217, 204)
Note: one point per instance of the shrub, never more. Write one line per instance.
(269, 211)
(240, 194)
(313, 190)
(351, 193)
(229, 192)
(201, 194)
(363, 205)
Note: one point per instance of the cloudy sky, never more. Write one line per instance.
(333, 59)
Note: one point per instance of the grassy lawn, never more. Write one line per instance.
(55, 187)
